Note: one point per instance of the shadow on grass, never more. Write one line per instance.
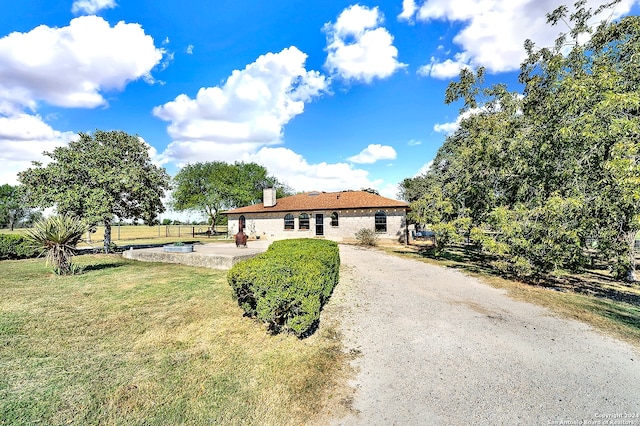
(463, 258)
(630, 319)
(101, 266)
(591, 282)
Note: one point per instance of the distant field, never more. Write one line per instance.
(160, 231)
(129, 232)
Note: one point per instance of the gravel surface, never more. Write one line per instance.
(435, 346)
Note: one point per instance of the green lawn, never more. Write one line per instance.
(144, 343)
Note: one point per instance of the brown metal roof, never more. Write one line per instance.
(310, 201)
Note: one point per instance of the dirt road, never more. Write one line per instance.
(438, 347)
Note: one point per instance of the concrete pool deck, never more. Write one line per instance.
(214, 255)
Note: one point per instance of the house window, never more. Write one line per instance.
(381, 221)
(288, 221)
(334, 219)
(303, 221)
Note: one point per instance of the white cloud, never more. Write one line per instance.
(90, 7)
(190, 151)
(494, 30)
(424, 169)
(414, 142)
(155, 157)
(409, 9)
(389, 190)
(294, 169)
(190, 49)
(452, 126)
(23, 139)
(71, 66)
(245, 113)
(373, 153)
(168, 58)
(244, 117)
(445, 69)
(447, 128)
(358, 48)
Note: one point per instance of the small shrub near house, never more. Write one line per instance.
(367, 237)
(286, 286)
(13, 246)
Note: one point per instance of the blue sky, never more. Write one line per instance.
(327, 95)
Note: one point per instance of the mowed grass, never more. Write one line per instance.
(144, 343)
(610, 306)
(144, 235)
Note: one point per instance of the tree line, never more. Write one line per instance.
(543, 179)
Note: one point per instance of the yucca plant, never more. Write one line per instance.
(56, 237)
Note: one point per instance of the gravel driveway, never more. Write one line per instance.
(437, 347)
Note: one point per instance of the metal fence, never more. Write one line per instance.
(131, 232)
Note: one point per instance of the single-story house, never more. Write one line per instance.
(335, 216)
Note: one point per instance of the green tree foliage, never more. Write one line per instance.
(412, 189)
(56, 237)
(214, 186)
(99, 177)
(12, 206)
(533, 176)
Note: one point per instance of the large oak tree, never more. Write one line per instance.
(99, 177)
(211, 187)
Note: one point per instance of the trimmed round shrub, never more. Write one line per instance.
(287, 286)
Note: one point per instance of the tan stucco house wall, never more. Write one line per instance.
(353, 210)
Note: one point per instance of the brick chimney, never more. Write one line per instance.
(269, 197)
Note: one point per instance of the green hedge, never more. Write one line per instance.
(287, 285)
(14, 246)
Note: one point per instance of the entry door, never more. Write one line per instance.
(319, 224)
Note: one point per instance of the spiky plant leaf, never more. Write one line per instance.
(56, 237)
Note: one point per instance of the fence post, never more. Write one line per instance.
(193, 232)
